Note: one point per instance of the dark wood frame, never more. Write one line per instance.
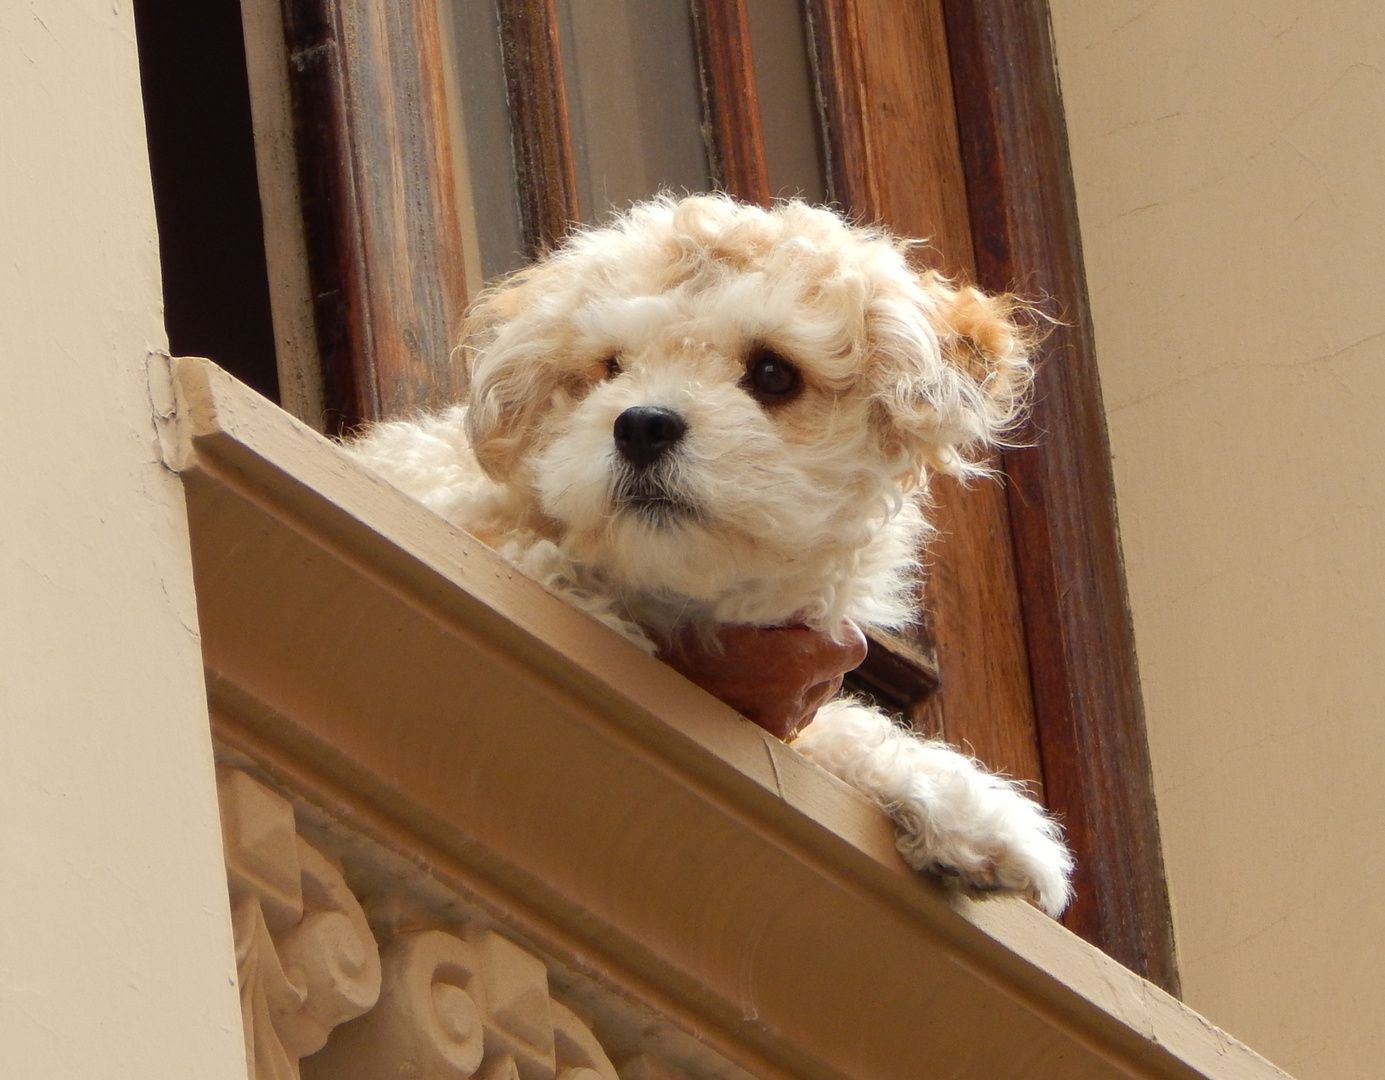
(539, 119)
(367, 86)
(729, 99)
(1088, 706)
(883, 77)
(838, 65)
(1062, 546)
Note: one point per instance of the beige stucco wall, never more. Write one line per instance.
(115, 950)
(1230, 169)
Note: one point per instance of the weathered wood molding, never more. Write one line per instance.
(476, 756)
(381, 231)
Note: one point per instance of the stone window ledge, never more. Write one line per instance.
(398, 676)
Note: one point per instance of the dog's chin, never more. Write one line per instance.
(652, 503)
(665, 556)
(657, 511)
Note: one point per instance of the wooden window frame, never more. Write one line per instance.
(388, 295)
(1062, 494)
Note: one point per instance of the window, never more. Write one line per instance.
(408, 151)
(202, 160)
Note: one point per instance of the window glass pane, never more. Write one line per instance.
(487, 182)
(788, 110)
(634, 102)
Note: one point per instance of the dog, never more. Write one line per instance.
(708, 414)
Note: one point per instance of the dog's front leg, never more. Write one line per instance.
(954, 817)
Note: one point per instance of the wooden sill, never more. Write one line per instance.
(403, 677)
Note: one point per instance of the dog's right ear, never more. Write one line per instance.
(511, 345)
(952, 373)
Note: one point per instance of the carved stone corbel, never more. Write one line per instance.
(453, 1008)
(305, 956)
(518, 1013)
(427, 1024)
(579, 1056)
(321, 1001)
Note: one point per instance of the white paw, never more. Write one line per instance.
(985, 831)
(954, 817)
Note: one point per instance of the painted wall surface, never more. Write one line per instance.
(115, 949)
(1230, 169)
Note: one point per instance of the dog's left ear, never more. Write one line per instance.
(512, 344)
(950, 373)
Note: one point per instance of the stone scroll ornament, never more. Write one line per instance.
(320, 1000)
(305, 956)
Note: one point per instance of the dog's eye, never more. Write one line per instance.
(613, 366)
(771, 378)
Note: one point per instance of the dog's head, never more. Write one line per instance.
(731, 406)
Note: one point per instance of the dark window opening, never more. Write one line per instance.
(206, 193)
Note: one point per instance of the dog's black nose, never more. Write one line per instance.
(645, 433)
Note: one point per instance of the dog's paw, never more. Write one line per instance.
(1001, 841)
(954, 817)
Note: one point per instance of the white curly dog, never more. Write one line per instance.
(707, 413)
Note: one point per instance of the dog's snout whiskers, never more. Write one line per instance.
(652, 495)
(645, 433)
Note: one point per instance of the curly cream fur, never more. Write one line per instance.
(804, 511)
(954, 817)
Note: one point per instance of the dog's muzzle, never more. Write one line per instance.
(645, 437)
